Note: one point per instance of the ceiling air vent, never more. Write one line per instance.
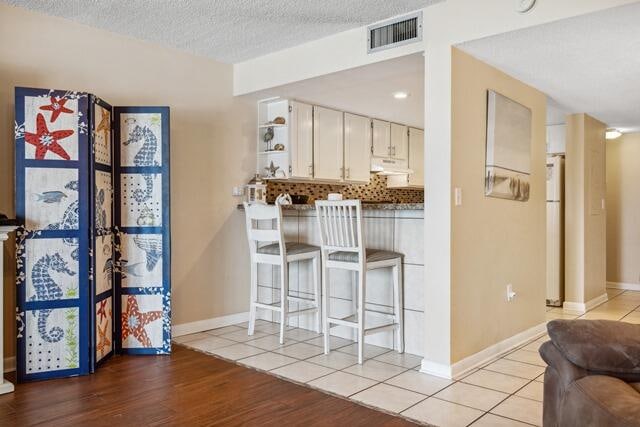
(395, 32)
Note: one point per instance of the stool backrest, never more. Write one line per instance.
(340, 224)
(264, 225)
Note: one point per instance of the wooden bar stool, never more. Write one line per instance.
(281, 253)
(342, 246)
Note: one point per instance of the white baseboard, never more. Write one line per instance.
(9, 364)
(207, 324)
(584, 307)
(623, 285)
(465, 365)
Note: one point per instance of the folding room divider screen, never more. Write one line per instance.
(92, 198)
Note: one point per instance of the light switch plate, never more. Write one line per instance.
(457, 194)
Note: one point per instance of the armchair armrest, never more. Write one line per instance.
(599, 346)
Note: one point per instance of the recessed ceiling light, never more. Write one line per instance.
(400, 95)
(613, 134)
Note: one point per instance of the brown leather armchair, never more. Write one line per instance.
(593, 377)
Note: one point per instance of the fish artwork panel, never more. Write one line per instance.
(103, 272)
(141, 261)
(51, 198)
(51, 128)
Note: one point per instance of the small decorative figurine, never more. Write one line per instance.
(268, 137)
(271, 170)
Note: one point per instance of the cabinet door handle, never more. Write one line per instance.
(393, 150)
(310, 170)
(348, 172)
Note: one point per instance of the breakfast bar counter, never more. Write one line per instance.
(395, 227)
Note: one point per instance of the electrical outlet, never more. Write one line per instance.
(511, 295)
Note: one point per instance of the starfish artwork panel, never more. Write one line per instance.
(46, 138)
(104, 333)
(102, 135)
(142, 321)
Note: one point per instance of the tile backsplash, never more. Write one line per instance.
(375, 191)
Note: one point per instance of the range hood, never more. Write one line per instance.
(386, 166)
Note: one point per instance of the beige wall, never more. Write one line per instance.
(623, 205)
(494, 241)
(212, 145)
(585, 218)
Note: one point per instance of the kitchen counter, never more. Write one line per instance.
(365, 206)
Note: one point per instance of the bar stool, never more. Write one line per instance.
(343, 247)
(280, 253)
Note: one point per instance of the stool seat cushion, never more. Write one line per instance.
(292, 249)
(373, 255)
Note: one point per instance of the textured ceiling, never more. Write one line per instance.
(225, 30)
(366, 90)
(585, 64)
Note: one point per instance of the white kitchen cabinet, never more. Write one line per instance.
(381, 138)
(415, 163)
(416, 157)
(301, 140)
(328, 144)
(399, 147)
(357, 148)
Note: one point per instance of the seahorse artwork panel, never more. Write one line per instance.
(140, 139)
(51, 269)
(104, 328)
(51, 340)
(51, 124)
(140, 200)
(103, 200)
(142, 320)
(102, 135)
(103, 274)
(51, 199)
(141, 260)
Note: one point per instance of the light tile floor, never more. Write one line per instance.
(504, 392)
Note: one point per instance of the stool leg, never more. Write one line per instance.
(325, 307)
(398, 305)
(362, 278)
(254, 297)
(284, 300)
(316, 289)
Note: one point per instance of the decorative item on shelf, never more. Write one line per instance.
(283, 199)
(334, 196)
(280, 174)
(279, 121)
(268, 137)
(278, 147)
(256, 191)
(4, 220)
(271, 170)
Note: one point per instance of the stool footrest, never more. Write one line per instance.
(352, 322)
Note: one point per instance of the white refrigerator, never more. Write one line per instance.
(555, 230)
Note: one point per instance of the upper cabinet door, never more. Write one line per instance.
(381, 138)
(399, 142)
(416, 157)
(328, 144)
(357, 148)
(301, 140)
